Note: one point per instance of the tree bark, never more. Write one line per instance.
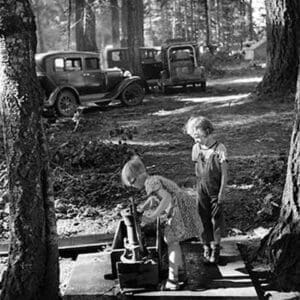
(115, 23)
(85, 26)
(32, 272)
(250, 12)
(135, 34)
(282, 245)
(69, 22)
(39, 31)
(282, 59)
(208, 25)
(124, 23)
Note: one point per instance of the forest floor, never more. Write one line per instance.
(86, 163)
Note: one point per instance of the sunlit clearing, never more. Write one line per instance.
(230, 81)
(215, 99)
(178, 111)
(141, 143)
(241, 186)
(243, 120)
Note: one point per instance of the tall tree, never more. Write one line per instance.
(124, 23)
(207, 6)
(135, 25)
(32, 272)
(251, 26)
(282, 245)
(282, 59)
(115, 22)
(85, 25)
(37, 7)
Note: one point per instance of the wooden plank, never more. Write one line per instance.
(87, 280)
(137, 275)
(75, 244)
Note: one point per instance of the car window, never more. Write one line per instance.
(116, 56)
(73, 64)
(59, 64)
(92, 63)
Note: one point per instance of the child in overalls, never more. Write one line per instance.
(178, 207)
(210, 159)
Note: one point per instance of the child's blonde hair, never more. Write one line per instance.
(131, 170)
(200, 122)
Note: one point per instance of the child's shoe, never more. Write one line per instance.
(182, 277)
(170, 285)
(206, 253)
(215, 254)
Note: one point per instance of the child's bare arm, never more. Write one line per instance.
(163, 205)
(224, 168)
(149, 203)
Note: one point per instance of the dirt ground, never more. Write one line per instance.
(256, 134)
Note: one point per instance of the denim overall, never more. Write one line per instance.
(208, 172)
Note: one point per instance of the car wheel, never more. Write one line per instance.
(133, 94)
(203, 86)
(66, 104)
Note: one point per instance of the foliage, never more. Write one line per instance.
(163, 19)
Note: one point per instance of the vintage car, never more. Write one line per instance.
(149, 57)
(181, 65)
(75, 78)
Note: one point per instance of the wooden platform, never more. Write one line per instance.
(229, 280)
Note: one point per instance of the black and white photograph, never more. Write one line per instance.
(149, 149)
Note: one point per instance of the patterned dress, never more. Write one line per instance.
(183, 220)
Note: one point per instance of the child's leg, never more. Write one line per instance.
(218, 224)
(175, 260)
(217, 221)
(205, 215)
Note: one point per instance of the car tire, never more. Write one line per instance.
(133, 95)
(66, 103)
(203, 86)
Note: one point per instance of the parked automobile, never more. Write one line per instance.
(149, 57)
(181, 65)
(73, 78)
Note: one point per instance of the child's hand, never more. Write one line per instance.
(140, 209)
(153, 201)
(146, 219)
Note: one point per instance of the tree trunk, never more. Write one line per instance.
(217, 21)
(85, 26)
(115, 23)
(282, 245)
(39, 31)
(69, 22)
(32, 272)
(124, 23)
(251, 29)
(186, 26)
(192, 21)
(208, 25)
(282, 60)
(135, 34)
(174, 15)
